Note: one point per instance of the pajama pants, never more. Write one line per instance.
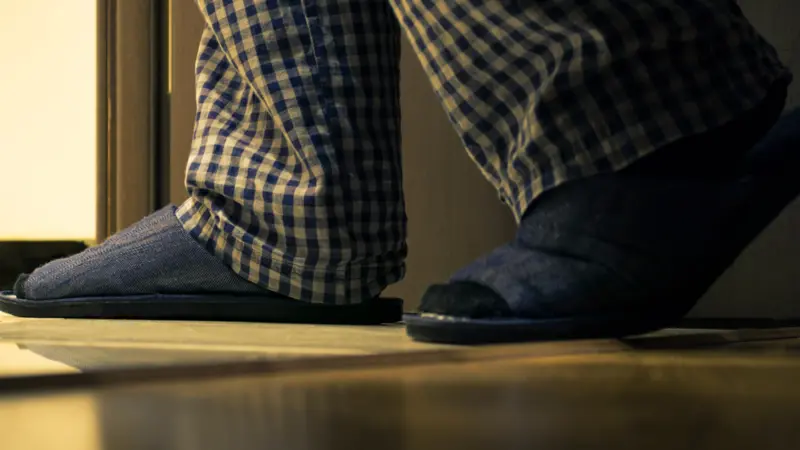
(295, 177)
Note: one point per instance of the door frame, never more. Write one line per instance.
(132, 159)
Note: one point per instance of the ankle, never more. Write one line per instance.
(716, 152)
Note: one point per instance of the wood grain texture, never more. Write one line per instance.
(620, 401)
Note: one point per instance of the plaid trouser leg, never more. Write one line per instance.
(294, 176)
(542, 92)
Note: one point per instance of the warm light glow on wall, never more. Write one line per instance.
(48, 120)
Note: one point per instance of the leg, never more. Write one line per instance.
(294, 179)
(562, 104)
(295, 175)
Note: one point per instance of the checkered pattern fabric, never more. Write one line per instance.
(295, 175)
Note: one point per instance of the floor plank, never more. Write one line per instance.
(629, 400)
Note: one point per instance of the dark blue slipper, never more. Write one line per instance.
(631, 254)
(155, 270)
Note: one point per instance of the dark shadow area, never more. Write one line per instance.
(18, 257)
(737, 323)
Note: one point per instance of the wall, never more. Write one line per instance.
(455, 215)
(48, 120)
(764, 280)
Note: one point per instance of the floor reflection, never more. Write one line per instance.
(63, 422)
(16, 360)
(622, 401)
(38, 346)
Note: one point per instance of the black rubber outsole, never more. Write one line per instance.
(451, 330)
(220, 307)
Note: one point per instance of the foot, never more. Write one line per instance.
(635, 243)
(154, 255)
(154, 270)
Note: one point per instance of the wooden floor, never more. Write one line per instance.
(173, 385)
